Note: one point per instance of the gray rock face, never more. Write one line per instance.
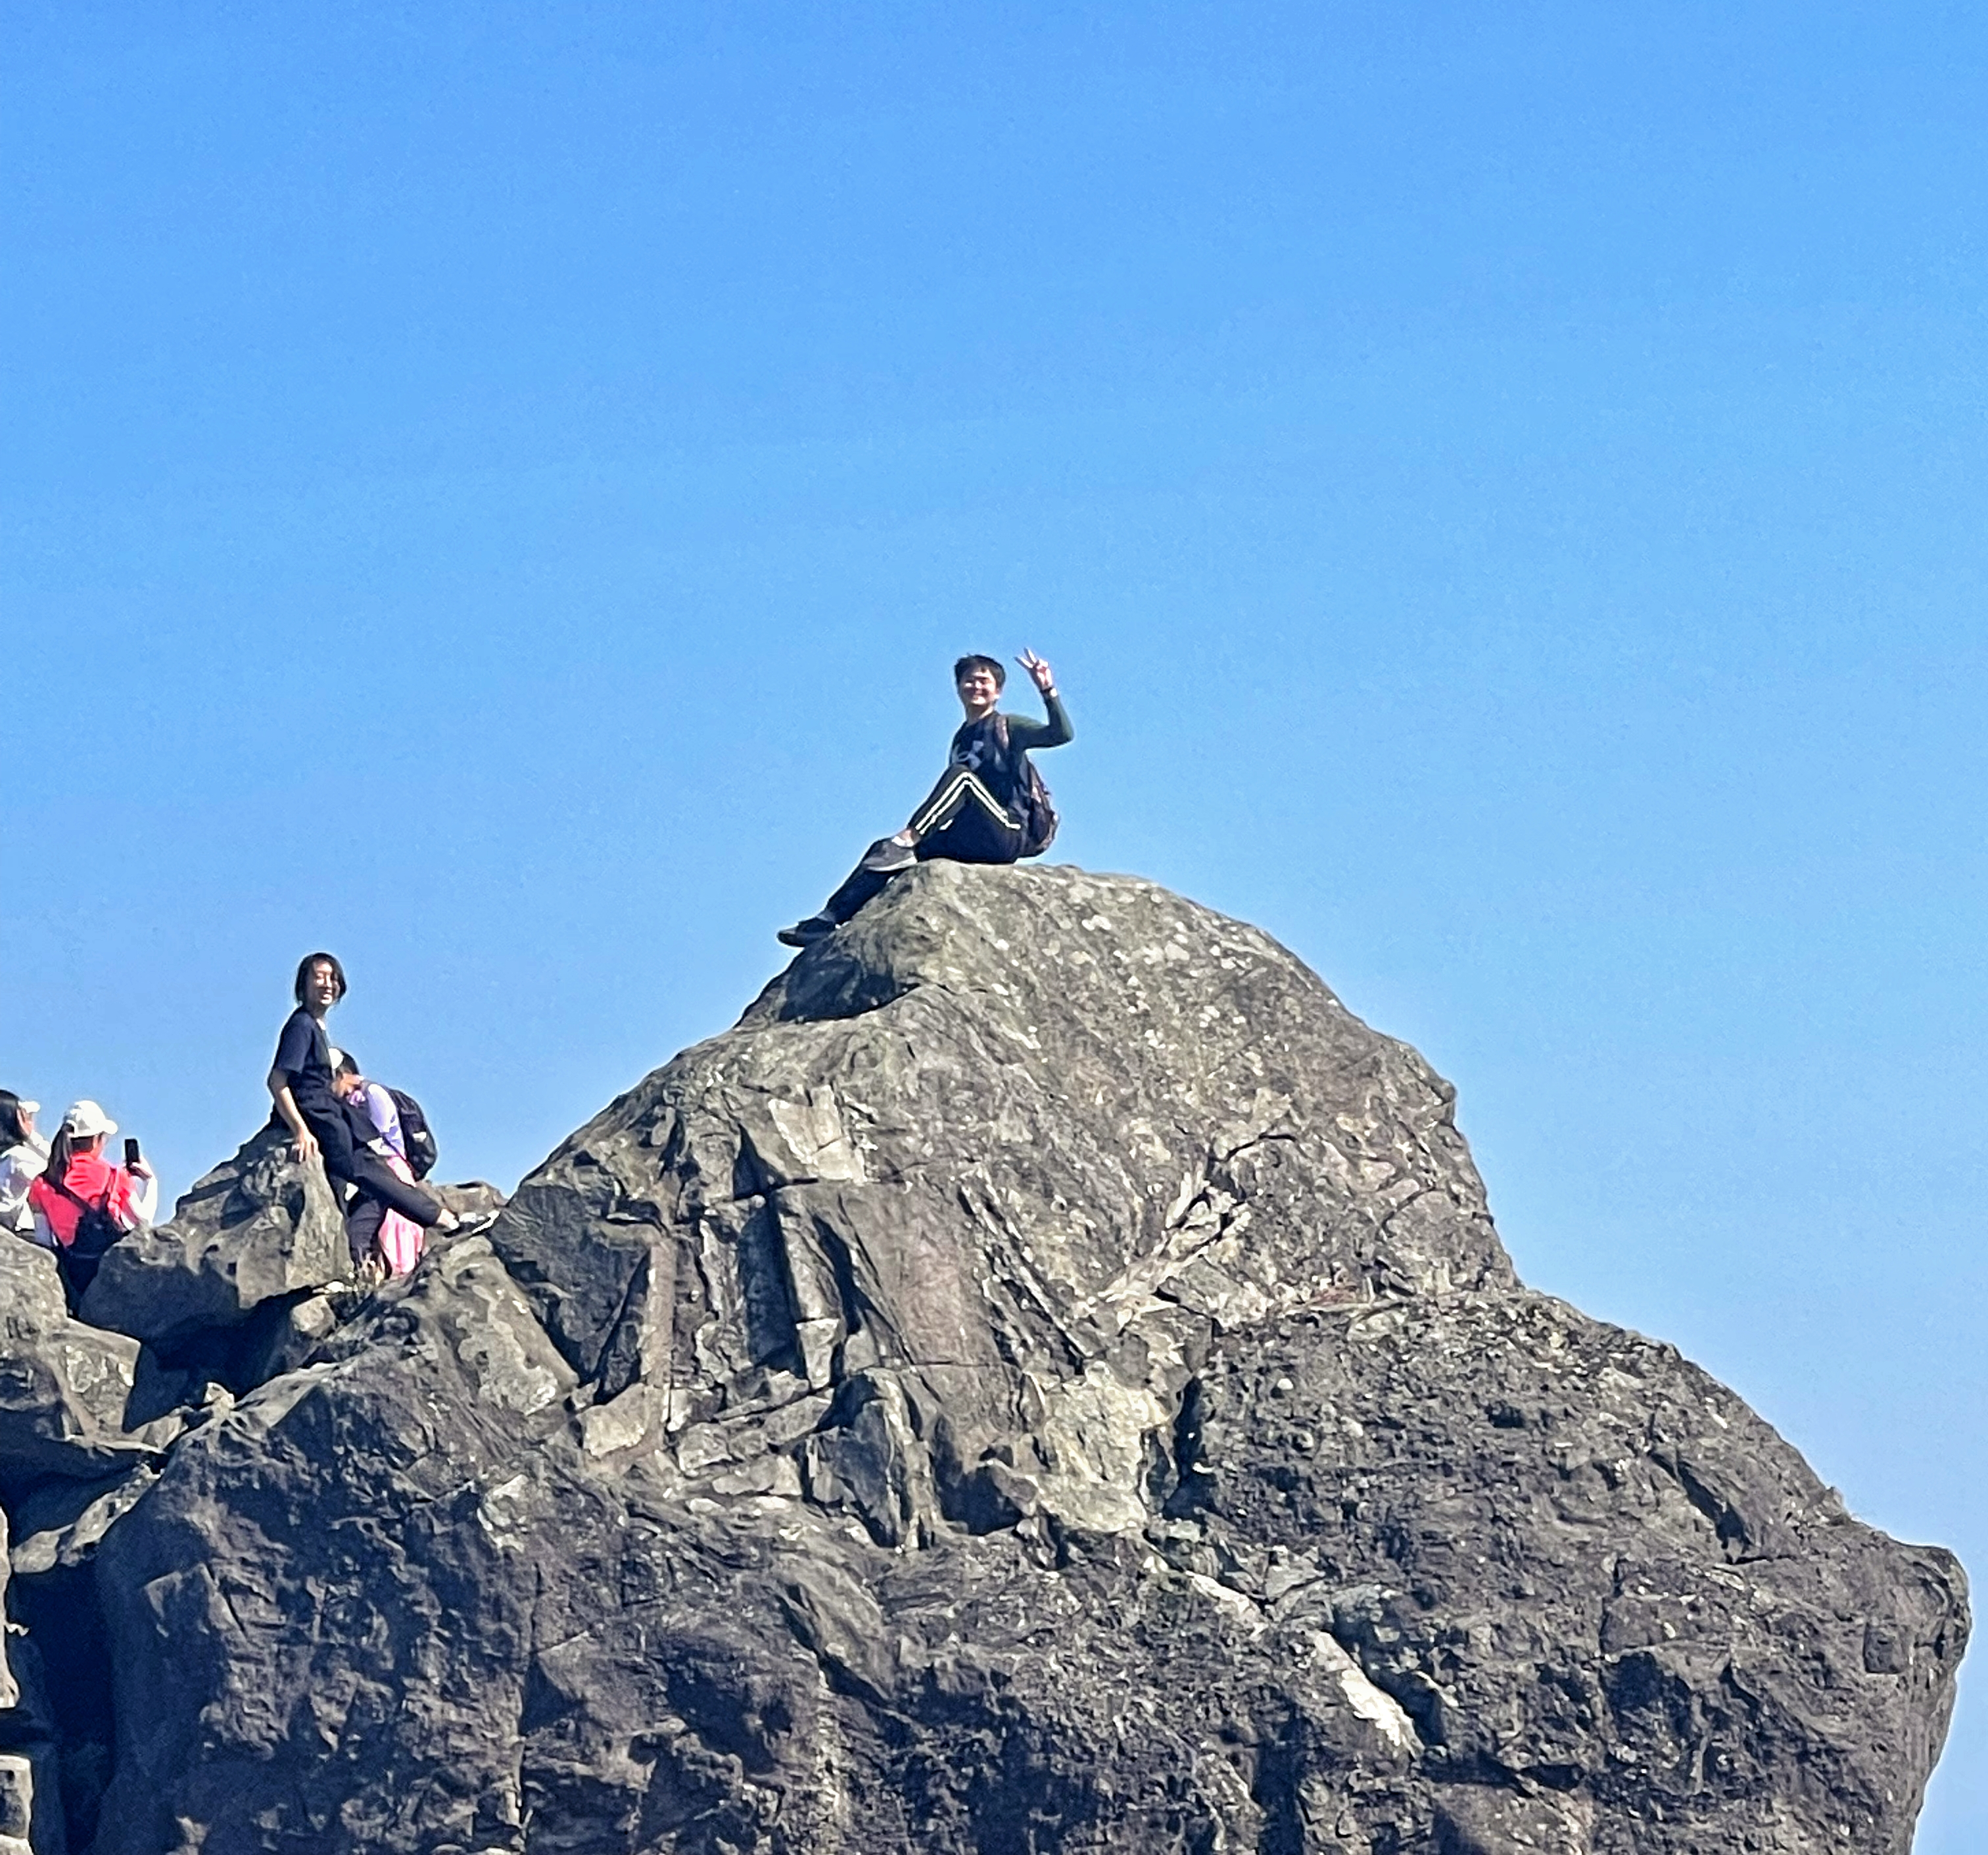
(257, 1228)
(66, 1388)
(1046, 1379)
(17, 1804)
(32, 1761)
(66, 1394)
(1001, 1156)
(1584, 1570)
(437, 1393)
(246, 1283)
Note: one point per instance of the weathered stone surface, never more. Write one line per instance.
(17, 1804)
(257, 1230)
(294, 1339)
(1046, 1380)
(28, 1740)
(1583, 1568)
(434, 1411)
(1008, 1150)
(467, 1199)
(65, 1387)
(73, 1539)
(258, 1227)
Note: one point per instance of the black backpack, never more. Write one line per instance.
(96, 1230)
(1036, 808)
(416, 1136)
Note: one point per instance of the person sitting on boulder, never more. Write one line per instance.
(24, 1157)
(988, 806)
(82, 1203)
(384, 1241)
(300, 1085)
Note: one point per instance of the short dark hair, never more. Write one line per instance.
(347, 1064)
(11, 1131)
(303, 974)
(976, 662)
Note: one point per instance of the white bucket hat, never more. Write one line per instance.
(86, 1121)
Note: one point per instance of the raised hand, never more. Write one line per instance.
(1040, 672)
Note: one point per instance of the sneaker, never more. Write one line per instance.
(887, 857)
(805, 934)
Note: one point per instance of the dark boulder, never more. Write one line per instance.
(258, 1228)
(1045, 1380)
(252, 1270)
(67, 1390)
(1587, 1573)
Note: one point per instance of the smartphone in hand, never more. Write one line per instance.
(131, 1153)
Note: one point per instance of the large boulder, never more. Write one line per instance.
(256, 1236)
(258, 1228)
(435, 1399)
(66, 1388)
(1618, 1611)
(1012, 1149)
(1045, 1380)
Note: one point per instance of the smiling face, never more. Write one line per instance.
(979, 690)
(321, 986)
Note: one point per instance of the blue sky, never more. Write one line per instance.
(494, 490)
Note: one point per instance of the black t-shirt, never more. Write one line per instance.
(991, 748)
(303, 1053)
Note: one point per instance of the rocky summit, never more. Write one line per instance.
(1045, 1380)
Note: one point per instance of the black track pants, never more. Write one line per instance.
(960, 820)
(345, 1158)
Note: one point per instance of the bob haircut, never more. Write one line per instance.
(303, 974)
(976, 662)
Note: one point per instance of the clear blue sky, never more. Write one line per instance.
(494, 490)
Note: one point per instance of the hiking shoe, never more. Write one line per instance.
(887, 856)
(805, 934)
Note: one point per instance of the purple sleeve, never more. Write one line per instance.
(386, 1117)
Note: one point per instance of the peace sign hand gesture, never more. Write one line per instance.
(1040, 672)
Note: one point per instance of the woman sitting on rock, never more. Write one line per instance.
(82, 1203)
(24, 1156)
(300, 1083)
